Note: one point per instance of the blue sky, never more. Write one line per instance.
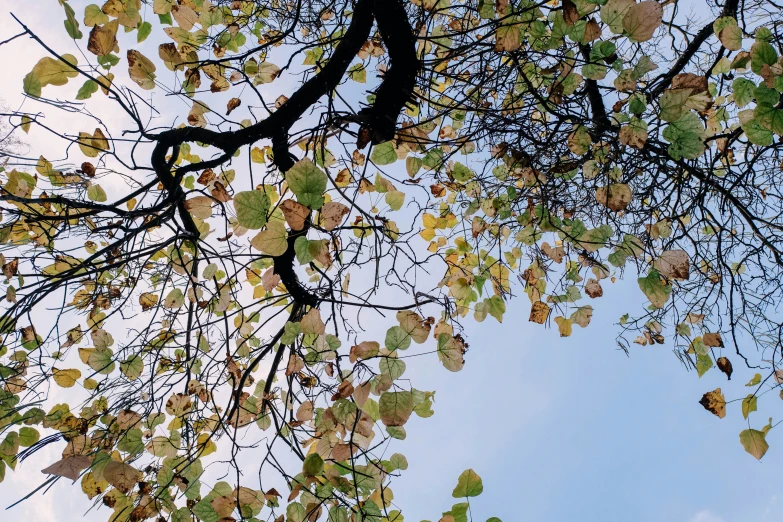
(572, 429)
(559, 429)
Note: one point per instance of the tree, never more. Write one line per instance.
(200, 259)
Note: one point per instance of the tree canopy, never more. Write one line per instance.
(195, 271)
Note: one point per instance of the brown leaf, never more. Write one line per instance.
(305, 411)
(539, 312)
(714, 402)
(592, 31)
(616, 196)
(364, 350)
(344, 390)
(295, 213)
(11, 268)
(593, 289)
(232, 104)
(556, 254)
(333, 214)
(642, 19)
(69, 467)
(713, 340)
(570, 12)
(220, 193)
(724, 365)
(674, 264)
(122, 476)
(690, 81)
(103, 38)
(206, 177)
(270, 280)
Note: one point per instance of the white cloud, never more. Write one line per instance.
(706, 516)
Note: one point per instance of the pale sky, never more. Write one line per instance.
(559, 429)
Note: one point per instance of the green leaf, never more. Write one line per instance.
(86, 90)
(96, 193)
(383, 153)
(94, 16)
(468, 485)
(395, 199)
(749, 405)
(395, 407)
(251, 207)
(295, 512)
(754, 442)
(71, 24)
(397, 339)
(132, 367)
(143, 31)
(703, 364)
(672, 104)
(655, 288)
(313, 465)
(308, 183)
(28, 436)
(686, 136)
(757, 134)
(743, 90)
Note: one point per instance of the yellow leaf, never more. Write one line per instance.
(65, 378)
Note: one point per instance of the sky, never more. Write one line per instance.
(559, 429)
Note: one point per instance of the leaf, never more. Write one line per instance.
(655, 288)
(613, 14)
(267, 72)
(686, 136)
(451, 352)
(199, 206)
(308, 183)
(96, 193)
(313, 465)
(729, 34)
(141, 69)
(672, 103)
(674, 264)
(174, 299)
(468, 485)
(616, 196)
(754, 442)
(28, 436)
(69, 467)
(94, 16)
(122, 476)
(143, 31)
(147, 300)
(539, 312)
(714, 402)
(295, 214)
(50, 71)
(755, 380)
(383, 153)
(87, 90)
(252, 207)
(642, 19)
(564, 326)
(66, 378)
(132, 367)
(185, 17)
(395, 199)
(749, 405)
(703, 364)
(103, 38)
(395, 407)
(273, 240)
(332, 214)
